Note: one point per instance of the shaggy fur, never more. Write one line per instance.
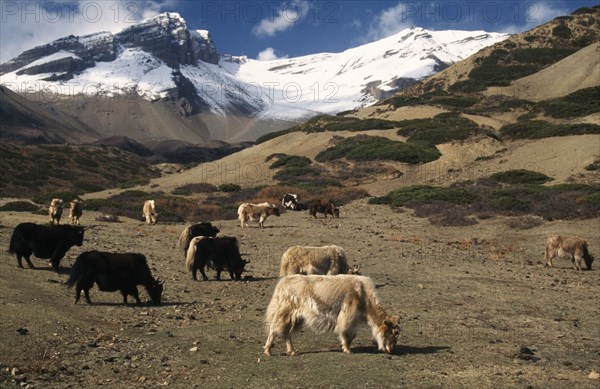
(48, 242)
(149, 211)
(340, 304)
(249, 211)
(76, 211)
(55, 210)
(199, 229)
(574, 248)
(220, 253)
(324, 207)
(330, 260)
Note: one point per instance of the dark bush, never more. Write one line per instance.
(442, 128)
(190, 189)
(424, 194)
(369, 148)
(520, 176)
(536, 129)
(562, 31)
(593, 166)
(229, 187)
(577, 104)
(289, 161)
(19, 206)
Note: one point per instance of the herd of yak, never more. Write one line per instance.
(317, 287)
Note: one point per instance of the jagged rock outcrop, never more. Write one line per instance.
(165, 36)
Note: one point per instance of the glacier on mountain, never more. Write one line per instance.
(157, 56)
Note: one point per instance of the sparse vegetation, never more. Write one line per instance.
(536, 129)
(419, 194)
(562, 31)
(522, 196)
(32, 170)
(593, 166)
(577, 104)
(442, 128)
(288, 161)
(190, 189)
(442, 99)
(505, 65)
(19, 206)
(521, 176)
(229, 187)
(369, 148)
(323, 123)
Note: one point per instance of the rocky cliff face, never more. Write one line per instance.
(165, 36)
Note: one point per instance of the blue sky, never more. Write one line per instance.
(270, 29)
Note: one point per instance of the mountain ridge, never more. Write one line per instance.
(161, 60)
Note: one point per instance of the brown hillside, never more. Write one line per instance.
(577, 71)
(25, 120)
(583, 29)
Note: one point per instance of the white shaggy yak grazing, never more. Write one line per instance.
(328, 260)
(340, 304)
(149, 211)
(249, 211)
(574, 248)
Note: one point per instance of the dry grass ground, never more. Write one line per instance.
(473, 301)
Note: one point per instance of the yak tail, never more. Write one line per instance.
(76, 270)
(15, 241)
(185, 237)
(191, 253)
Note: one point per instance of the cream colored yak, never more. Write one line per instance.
(340, 304)
(55, 210)
(574, 248)
(76, 211)
(249, 211)
(149, 211)
(330, 260)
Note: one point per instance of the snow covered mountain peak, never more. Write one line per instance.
(161, 58)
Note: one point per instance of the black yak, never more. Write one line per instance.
(198, 229)
(112, 272)
(48, 242)
(324, 207)
(217, 253)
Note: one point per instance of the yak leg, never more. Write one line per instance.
(77, 294)
(269, 342)
(219, 270)
(204, 277)
(26, 256)
(346, 338)
(282, 324)
(134, 293)
(577, 261)
(86, 292)
(287, 336)
(549, 255)
(57, 256)
(124, 293)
